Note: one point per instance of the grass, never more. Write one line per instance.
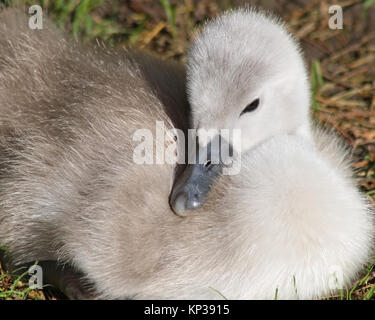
(171, 14)
(360, 283)
(316, 83)
(342, 71)
(14, 286)
(362, 289)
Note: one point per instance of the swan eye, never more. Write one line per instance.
(250, 107)
(208, 164)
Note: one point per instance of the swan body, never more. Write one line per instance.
(245, 71)
(290, 222)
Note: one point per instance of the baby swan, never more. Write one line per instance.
(70, 191)
(245, 71)
(306, 230)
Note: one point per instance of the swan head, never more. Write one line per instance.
(246, 72)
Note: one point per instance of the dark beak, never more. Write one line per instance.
(192, 188)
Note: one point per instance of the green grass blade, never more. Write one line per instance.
(370, 294)
(4, 249)
(219, 293)
(171, 14)
(361, 282)
(317, 82)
